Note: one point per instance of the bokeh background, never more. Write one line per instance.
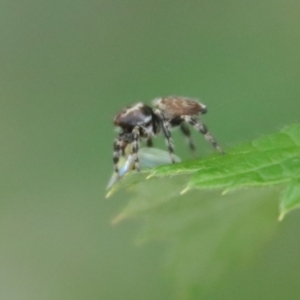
(66, 68)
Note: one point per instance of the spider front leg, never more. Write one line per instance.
(119, 146)
(135, 147)
(203, 129)
(166, 132)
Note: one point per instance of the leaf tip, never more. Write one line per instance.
(150, 175)
(109, 193)
(186, 189)
(226, 191)
(281, 216)
(118, 219)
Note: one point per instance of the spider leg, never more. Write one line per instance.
(202, 128)
(123, 148)
(118, 151)
(135, 147)
(145, 134)
(186, 132)
(149, 142)
(166, 132)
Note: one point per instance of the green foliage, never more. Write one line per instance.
(266, 161)
(228, 213)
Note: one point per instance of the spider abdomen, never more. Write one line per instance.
(174, 107)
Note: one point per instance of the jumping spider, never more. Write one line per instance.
(140, 121)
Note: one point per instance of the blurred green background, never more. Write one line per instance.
(66, 68)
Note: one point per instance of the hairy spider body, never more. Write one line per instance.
(140, 121)
(137, 122)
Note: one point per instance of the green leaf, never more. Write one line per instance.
(290, 199)
(266, 161)
(211, 232)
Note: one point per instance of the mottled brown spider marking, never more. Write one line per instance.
(172, 107)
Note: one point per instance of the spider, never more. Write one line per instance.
(140, 121)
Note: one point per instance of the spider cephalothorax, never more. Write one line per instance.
(140, 121)
(137, 122)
